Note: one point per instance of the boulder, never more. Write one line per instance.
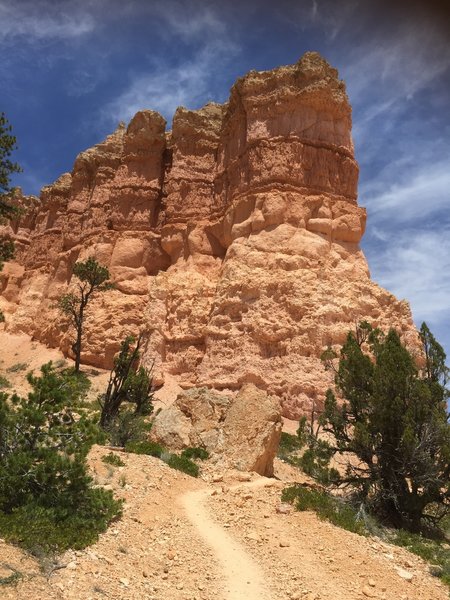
(241, 431)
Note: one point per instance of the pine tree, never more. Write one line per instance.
(7, 168)
(46, 494)
(93, 278)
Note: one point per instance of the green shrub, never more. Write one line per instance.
(195, 452)
(144, 447)
(181, 463)
(4, 383)
(289, 443)
(113, 459)
(327, 507)
(12, 579)
(127, 427)
(128, 385)
(43, 529)
(47, 500)
(77, 385)
(289, 448)
(17, 367)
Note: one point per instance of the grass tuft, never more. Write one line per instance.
(195, 452)
(113, 459)
(144, 447)
(343, 514)
(327, 507)
(12, 579)
(181, 463)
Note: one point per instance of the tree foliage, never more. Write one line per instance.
(392, 424)
(128, 382)
(46, 494)
(7, 168)
(7, 146)
(92, 278)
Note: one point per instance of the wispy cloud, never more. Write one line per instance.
(417, 193)
(416, 265)
(167, 87)
(189, 82)
(395, 73)
(384, 75)
(37, 21)
(189, 21)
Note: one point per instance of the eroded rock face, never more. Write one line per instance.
(233, 240)
(240, 431)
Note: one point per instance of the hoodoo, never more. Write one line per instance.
(233, 240)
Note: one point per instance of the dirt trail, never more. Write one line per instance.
(243, 578)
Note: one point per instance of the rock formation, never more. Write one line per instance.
(241, 432)
(232, 239)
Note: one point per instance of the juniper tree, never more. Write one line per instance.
(92, 278)
(394, 420)
(128, 382)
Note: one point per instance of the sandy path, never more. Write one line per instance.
(243, 578)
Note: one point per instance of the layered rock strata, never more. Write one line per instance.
(233, 240)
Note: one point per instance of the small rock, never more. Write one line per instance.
(217, 478)
(436, 570)
(244, 477)
(404, 574)
(72, 565)
(124, 581)
(284, 509)
(144, 573)
(284, 544)
(367, 591)
(371, 582)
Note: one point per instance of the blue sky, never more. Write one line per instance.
(70, 71)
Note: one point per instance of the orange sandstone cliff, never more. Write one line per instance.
(233, 240)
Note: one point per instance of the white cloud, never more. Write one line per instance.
(37, 21)
(416, 265)
(188, 21)
(166, 87)
(187, 83)
(416, 193)
(384, 74)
